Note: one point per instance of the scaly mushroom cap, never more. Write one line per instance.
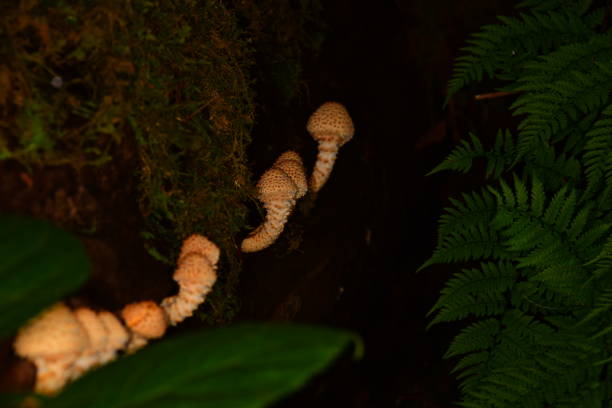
(195, 268)
(291, 163)
(201, 245)
(117, 335)
(54, 332)
(331, 121)
(96, 332)
(98, 337)
(145, 319)
(274, 185)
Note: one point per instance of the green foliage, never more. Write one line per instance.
(34, 269)
(538, 239)
(247, 365)
(501, 50)
(498, 159)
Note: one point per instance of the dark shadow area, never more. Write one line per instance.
(374, 222)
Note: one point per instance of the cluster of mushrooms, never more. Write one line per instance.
(63, 343)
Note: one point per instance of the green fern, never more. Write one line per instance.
(500, 50)
(475, 211)
(552, 106)
(540, 297)
(598, 158)
(478, 243)
(498, 159)
(479, 292)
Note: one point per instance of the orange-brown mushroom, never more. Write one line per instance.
(196, 276)
(331, 126)
(98, 338)
(53, 341)
(117, 336)
(278, 189)
(146, 320)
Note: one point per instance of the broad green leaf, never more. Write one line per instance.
(39, 264)
(247, 365)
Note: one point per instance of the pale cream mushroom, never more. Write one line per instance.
(278, 189)
(53, 341)
(196, 274)
(116, 336)
(146, 320)
(98, 339)
(331, 126)
(200, 245)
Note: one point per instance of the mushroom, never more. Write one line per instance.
(331, 126)
(53, 341)
(196, 274)
(116, 336)
(146, 320)
(98, 338)
(278, 189)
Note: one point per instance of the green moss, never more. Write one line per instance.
(172, 80)
(192, 114)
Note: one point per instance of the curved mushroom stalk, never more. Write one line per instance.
(278, 189)
(64, 344)
(196, 274)
(331, 126)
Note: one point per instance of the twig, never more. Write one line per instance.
(493, 95)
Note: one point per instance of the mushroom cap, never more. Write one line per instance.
(275, 184)
(291, 163)
(117, 334)
(145, 319)
(54, 332)
(331, 121)
(96, 332)
(201, 245)
(195, 268)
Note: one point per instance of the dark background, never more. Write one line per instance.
(374, 222)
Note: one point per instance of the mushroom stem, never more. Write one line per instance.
(278, 189)
(277, 213)
(196, 275)
(52, 373)
(326, 157)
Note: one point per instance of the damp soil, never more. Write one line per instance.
(348, 258)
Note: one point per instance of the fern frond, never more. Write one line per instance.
(603, 262)
(575, 6)
(475, 291)
(551, 242)
(475, 211)
(499, 49)
(479, 336)
(537, 298)
(555, 170)
(565, 85)
(598, 157)
(498, 158)
(479, 243)
(460, 159)
(603, 305)
(561, 64)
(529, 364)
